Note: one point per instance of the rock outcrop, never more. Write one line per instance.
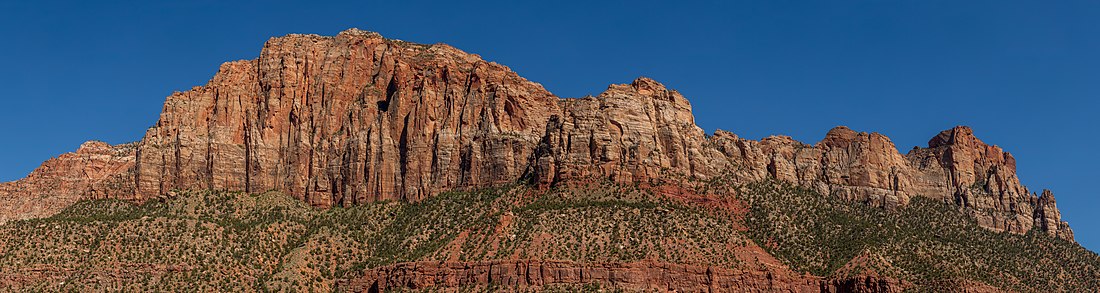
(866, 167)
(631, 132)
(524, 275)
(96, 170)
(959, 167)
(359, 118)
(347, 119)
(862, 167)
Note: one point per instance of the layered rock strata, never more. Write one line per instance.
(524, 275)
(95, 170)
(359, 118)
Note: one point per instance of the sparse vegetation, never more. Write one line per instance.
(214, 241)
(929, 243)
(231, 241)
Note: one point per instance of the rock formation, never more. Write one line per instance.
(358, 118)
(959, 167)
(96, 170)
(524, 275)
(631, 132)
(347, 119)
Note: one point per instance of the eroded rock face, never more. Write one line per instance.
(358, 118)
(524, 275)
(348, 119)
(95, 170)
(863, 167)
(866, 167)
(631, 132)
(959, 167)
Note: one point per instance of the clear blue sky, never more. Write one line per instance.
(1024, 74)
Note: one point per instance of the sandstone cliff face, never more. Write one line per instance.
(96, 170)
(347, 119)
(631, 132)
(862, 167)
(358, 118)
(959, 167)
(866, 167)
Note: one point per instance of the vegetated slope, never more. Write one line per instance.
(235, 241)
(927, 242)
(576, 237)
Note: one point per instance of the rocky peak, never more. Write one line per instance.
(959, 167)
(357, 118)
(347, 119)
(1047, 196)
(961, 140)
(865, 166)
(93, 147)
(1048, 218)
(959, 134)
(840, 136)
(360, 33)
(647, 87)
(724, 135)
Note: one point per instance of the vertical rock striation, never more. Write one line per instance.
(348, 119)
(631, 132)
(358, 118)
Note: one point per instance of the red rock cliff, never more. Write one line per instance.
(357, 118)
(347, 119)
(537, 275)
(96, 170)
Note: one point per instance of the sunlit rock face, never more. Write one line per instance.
(959, 167)
(95, 170)
(358, 118)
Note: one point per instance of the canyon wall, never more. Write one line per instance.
(357, 118)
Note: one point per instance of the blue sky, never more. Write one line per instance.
(1024, 74)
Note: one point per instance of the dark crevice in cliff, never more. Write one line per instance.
(465, 164)
(470, 79)
(435, 171)
(210, 158)
(772, 169)
(391, 94)
(403, 149)
(247, 157)
(378, 63)
(137, 170)
(176, 172)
